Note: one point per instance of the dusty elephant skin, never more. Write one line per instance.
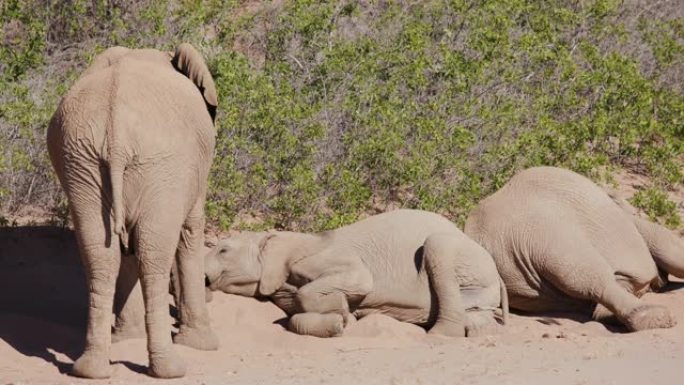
(562, 243)
(414, 266)
(132, 143)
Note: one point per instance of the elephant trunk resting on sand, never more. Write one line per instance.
(562, 243)
(414, 266)
(132, 143)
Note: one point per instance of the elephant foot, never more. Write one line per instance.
(649, 317)
(121, 334)
(167, 365)
(481, 324)
(348, 319)
(197, 338)
(317, 324)
(336, 328)
(92, 365)
(448, 329)
(603, 315)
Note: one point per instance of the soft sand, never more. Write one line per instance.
(42, 311)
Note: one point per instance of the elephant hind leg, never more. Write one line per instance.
(156, 237)
(129, 307)
(440, 257)
(195, 330)
(101, 256)
(584, 274)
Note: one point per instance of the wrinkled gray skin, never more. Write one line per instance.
(132, 143)
(561, 243)
(411, 265)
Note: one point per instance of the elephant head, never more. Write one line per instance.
(233, 266)
(251, 263)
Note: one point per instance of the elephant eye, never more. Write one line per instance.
(223, 250)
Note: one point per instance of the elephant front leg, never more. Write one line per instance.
(310, 324)
(323, 295)
(195, 330)
(440, 264)
(317, 324)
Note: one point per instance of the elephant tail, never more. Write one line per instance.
(116, 158)
(116, 171)
(504, 300)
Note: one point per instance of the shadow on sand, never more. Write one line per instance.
(43, 295)
(672, 286)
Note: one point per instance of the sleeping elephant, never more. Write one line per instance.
(132, 143)
(414, 266)
(561, 243)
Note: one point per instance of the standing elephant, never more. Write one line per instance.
(561, 243)
(132, 143)
(411, 265)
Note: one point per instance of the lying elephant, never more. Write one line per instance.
(132, 143)
(561, 243)
(415, 266)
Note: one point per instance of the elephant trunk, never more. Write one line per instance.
(212, 269)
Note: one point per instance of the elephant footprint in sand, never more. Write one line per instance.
(561, 243)
(132, 143)
(414, 266)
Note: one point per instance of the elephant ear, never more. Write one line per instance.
(274, 259)
(190, 63)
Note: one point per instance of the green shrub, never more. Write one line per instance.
(331, 110)
(656, 204)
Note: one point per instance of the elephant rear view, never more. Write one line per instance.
(132, 143)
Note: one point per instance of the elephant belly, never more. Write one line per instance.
(546, 299)
(420, 306)
(530, 291)
(417, 316)
(408, 302)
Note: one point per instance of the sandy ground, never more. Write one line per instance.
(42, 313)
